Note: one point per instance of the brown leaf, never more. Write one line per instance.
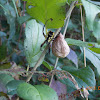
(14, 70)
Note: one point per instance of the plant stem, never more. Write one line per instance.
(52, 73)
(68, 16)
(56, 63)
(82, 20)
(37, 64)
(66, 21)
(73, 4)
(39, 60)
(13, 1)
(44, 52)
(66, 26)
(86, 98)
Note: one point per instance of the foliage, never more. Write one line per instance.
(28, 92)
(22, 60)
(92, 16)
(39, 92)
(33, 40)
(50, 9)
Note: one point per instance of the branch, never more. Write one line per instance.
(41, 56)
(53, 73)
(66, 20)
(82, 21)
(44, 52)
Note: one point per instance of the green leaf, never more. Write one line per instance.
(28, 92)
(78, 42)
(96, 27)
(92, 46)
(34, 38)
(3, 88)
(3, 98)
(14, 3)
(5, 78)
(94, 2)
(23, 19)
(37, 92)
(12, 86)
(47, 65)
(68, 82)
(46, 93)
(96, 50)
(2, 34)
(84, 76)
(10, 16)
(92, 11)
(3, 7)
(43, 10)
(94, 58)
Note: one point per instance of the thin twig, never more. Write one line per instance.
(13, 1)
(66, 26)
(82, 21)
(39, 60)
(68, 16)
(73, 4)
(66, 22)
(52, 73)
(44, 52)
(37, 64)
(24, 8)
(86, 98)
(56, 62)
(17, 98)
(57, 57)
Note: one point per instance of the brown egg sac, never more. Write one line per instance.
(60, 47)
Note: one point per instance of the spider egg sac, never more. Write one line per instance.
(60, 47)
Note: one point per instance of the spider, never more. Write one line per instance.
(50, 35)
